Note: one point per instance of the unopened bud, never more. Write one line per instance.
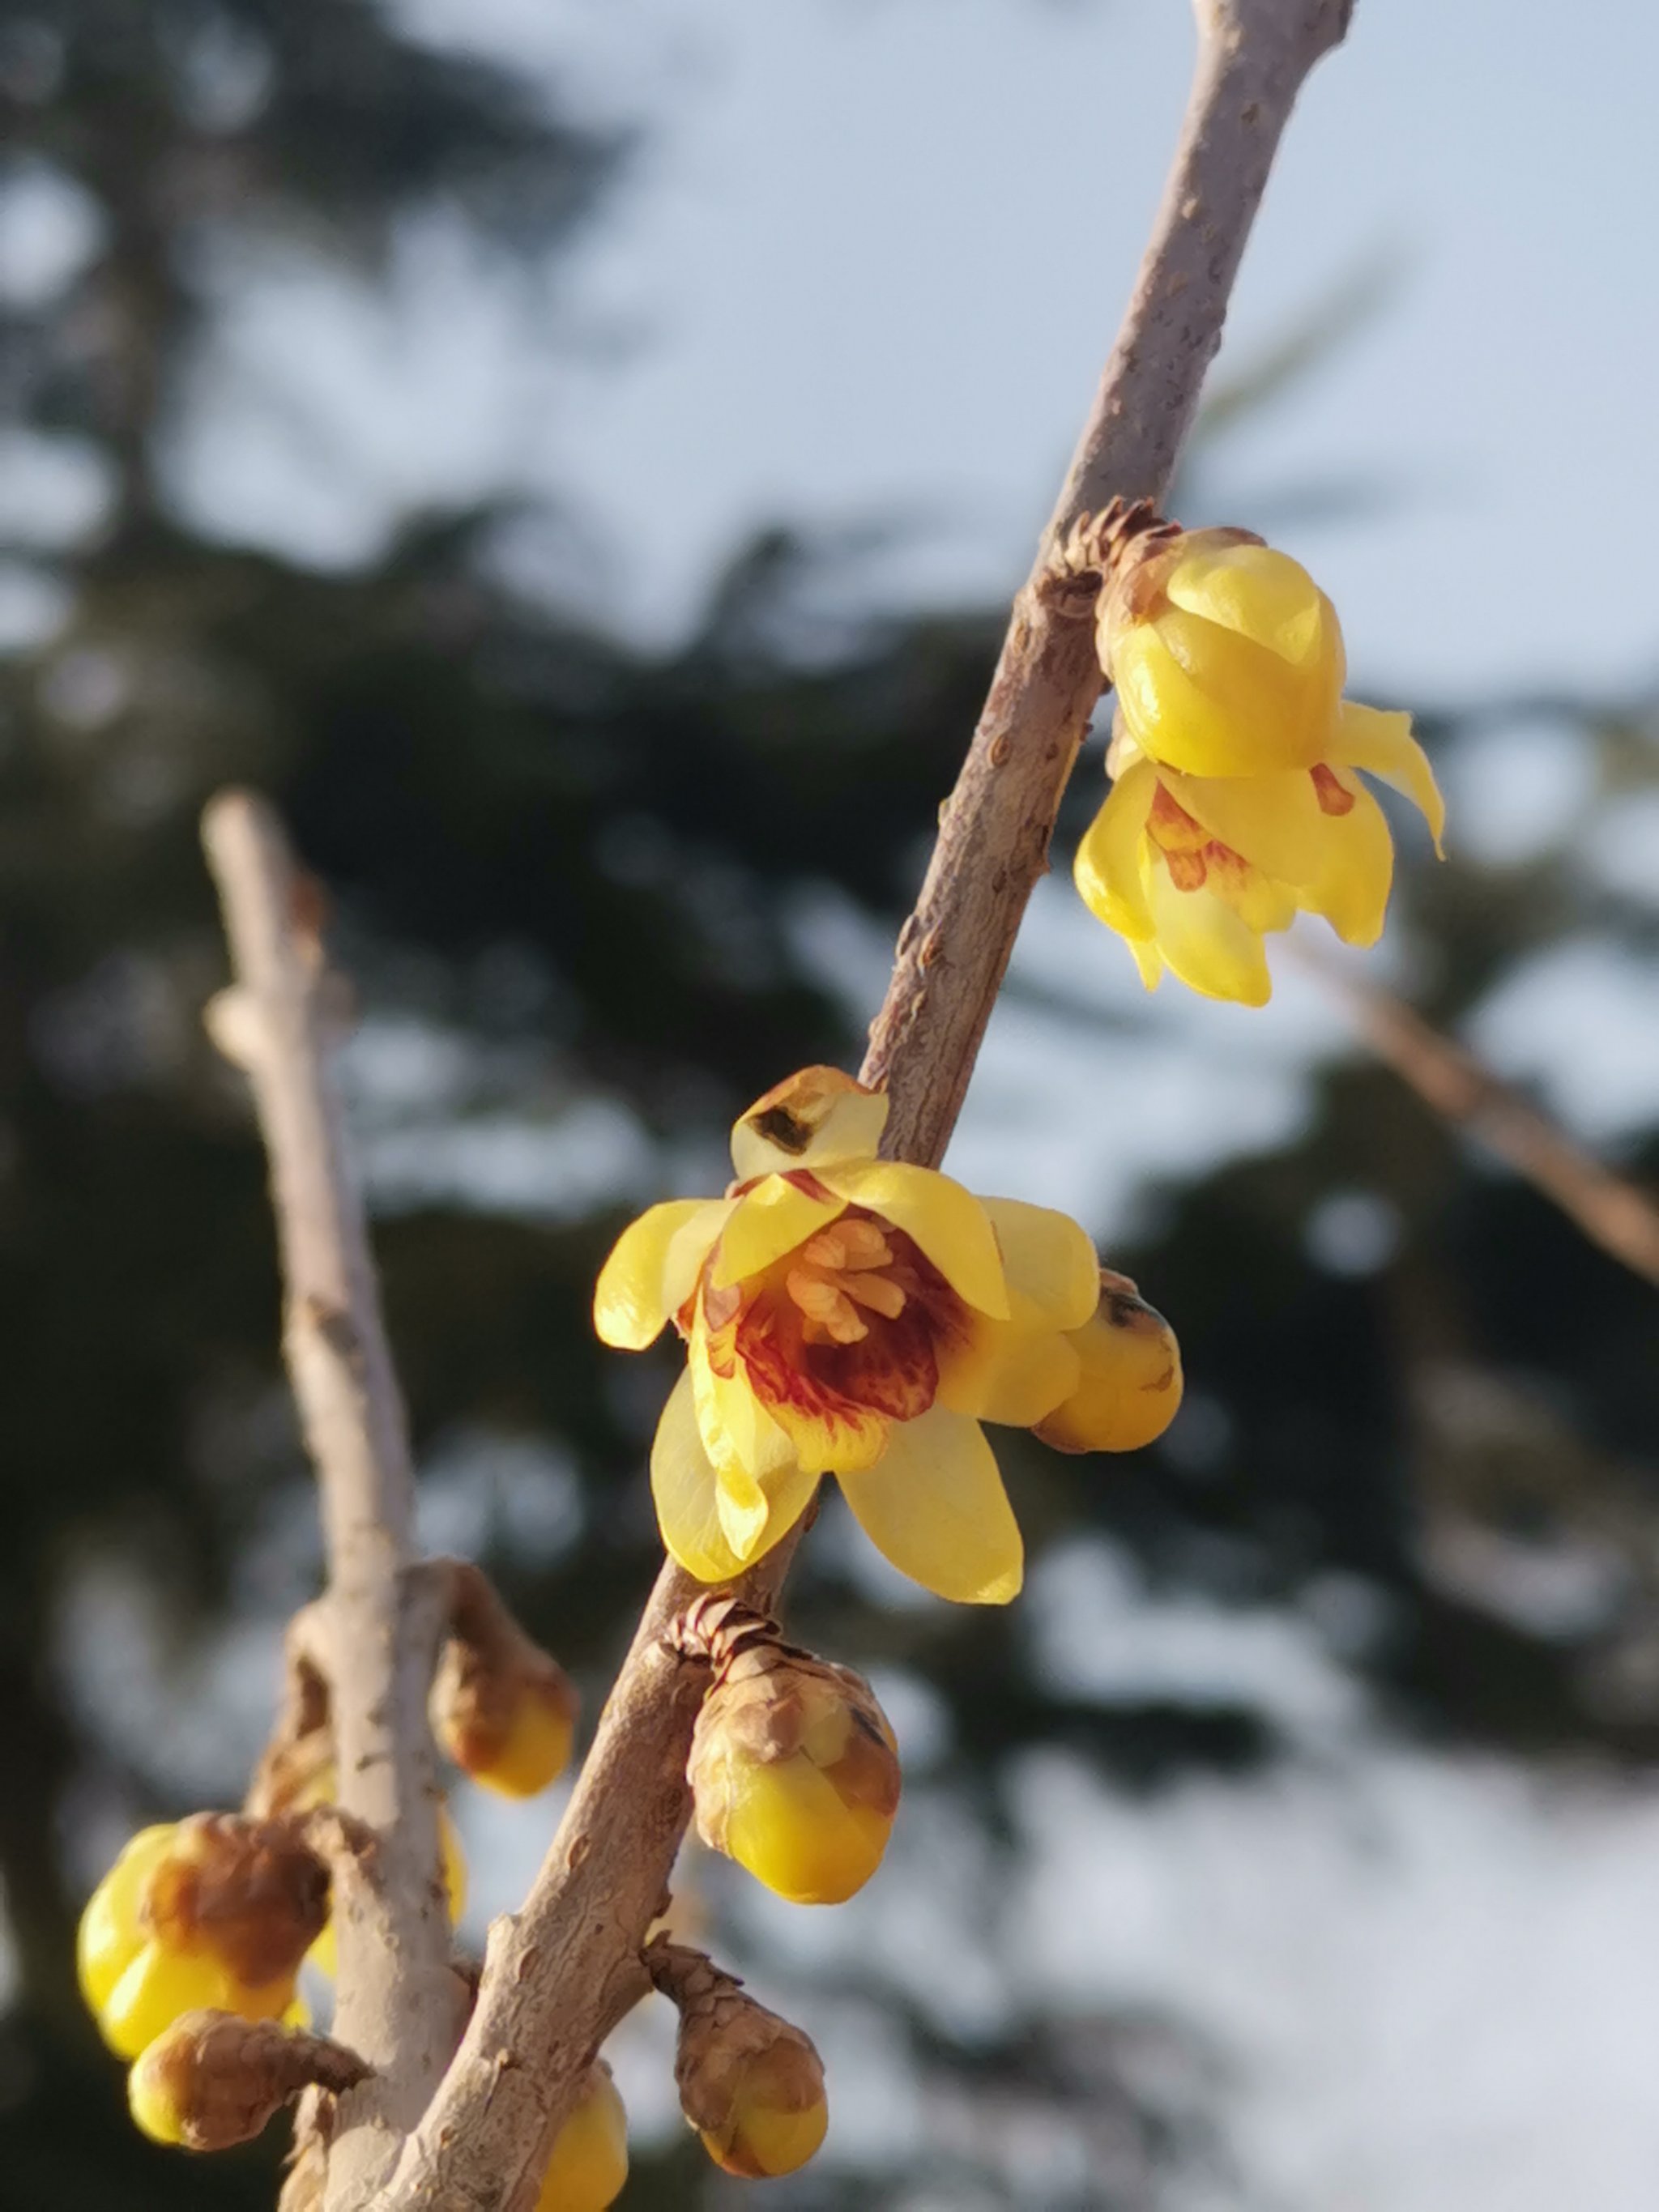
(212, 2080)
(214, 1912)
(751, 2085)
(589, 2164)
(1129, 1390)
(794, 1770)
(503, 1709)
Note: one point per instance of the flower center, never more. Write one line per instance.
(838, 1272)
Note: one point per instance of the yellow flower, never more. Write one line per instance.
(1237, 800)
(852, 1316)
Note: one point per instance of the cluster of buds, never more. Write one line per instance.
(794, 1769)
(1237, 800)
(503, 1709)
(215, 1911)
(750, 2085)
(589, 2161)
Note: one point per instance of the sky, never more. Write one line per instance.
(871, 253)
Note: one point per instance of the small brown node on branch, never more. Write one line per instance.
(213, 2080)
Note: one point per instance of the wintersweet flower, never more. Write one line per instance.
(855, 1316)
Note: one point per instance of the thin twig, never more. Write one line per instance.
(1616, 1214)
(398, 1998)
(560, 1975)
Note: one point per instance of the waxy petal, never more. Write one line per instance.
(819, 1114)
(1047, 1259)
(1274, 822)
(1200, 698)
(1108, 868)
(947, 1224)
(1259, 593)
(1207, 945)
(653, 1268)
(767, 1222)
(686, 1491)
(1008, 1373)
(1352, 890)
(935, 1507)
(1382, 745)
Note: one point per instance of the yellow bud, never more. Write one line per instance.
(589, 2164)
(778, 2114)
(1129, 1389)
(212, 2080)
(794, 1770)
(1227, 657)
(503, 1709)
(212, 1911)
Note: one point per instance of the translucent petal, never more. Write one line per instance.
(1108, 865)
(1199, 698)
(1129, 1381)
(1006, 1373)
(1207, 945)
(109, 1936)
(685, 1487)
(769, 1221)
(1382, 745)
(1047, 1259)
(1260, 594)
(947, 1222)
(819, 1114)
(840, 1443)
(934, 1505)
(1352, 890)
(652, 1268)
(1274, 822)
(737, 1430)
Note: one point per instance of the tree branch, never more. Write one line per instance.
(1617, 1215)
(560, 1975)
(398, 1997)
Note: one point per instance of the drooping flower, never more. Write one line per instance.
(1237, 800)
(854, 1317)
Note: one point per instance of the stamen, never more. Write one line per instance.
(863, 1245)
(826, 1305)
(1187, 870)
(827, 1250)
(879, 1292)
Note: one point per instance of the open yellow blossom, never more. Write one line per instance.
(852, 1316)
(1238, 799)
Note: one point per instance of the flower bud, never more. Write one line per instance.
(750, 2084)
(589, 2164)
(510, 1728)
(216, 1911)
(1129, 1389)
(794, 1770)
(1227, 657)
(211, 2081)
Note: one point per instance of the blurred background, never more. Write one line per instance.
(576, 457)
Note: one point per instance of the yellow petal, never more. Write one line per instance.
(1207, 945)
(1382, 745)
(111, 1934)
(1047, 1259)
(1257, 592)
(1198, 697)
(934, 1505)
(841, 1444)
(1352, 890)
(1150, 961)
(653, 1267)
(685, 1487)
(820, 1113)
(737, 1430)
(769, 1221)
(1274, 822)
(1108, 865)
(1006, 1373)
(947, 1221)
(1129, 1381)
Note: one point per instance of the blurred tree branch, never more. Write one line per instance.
(1613, 1213)
(562, 1972)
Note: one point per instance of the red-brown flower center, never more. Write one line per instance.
(849, 1323)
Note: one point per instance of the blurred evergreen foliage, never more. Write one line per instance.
(584, 867)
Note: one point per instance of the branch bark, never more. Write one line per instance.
(560, 1973)
(399, 2000)
(1613, 1213)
